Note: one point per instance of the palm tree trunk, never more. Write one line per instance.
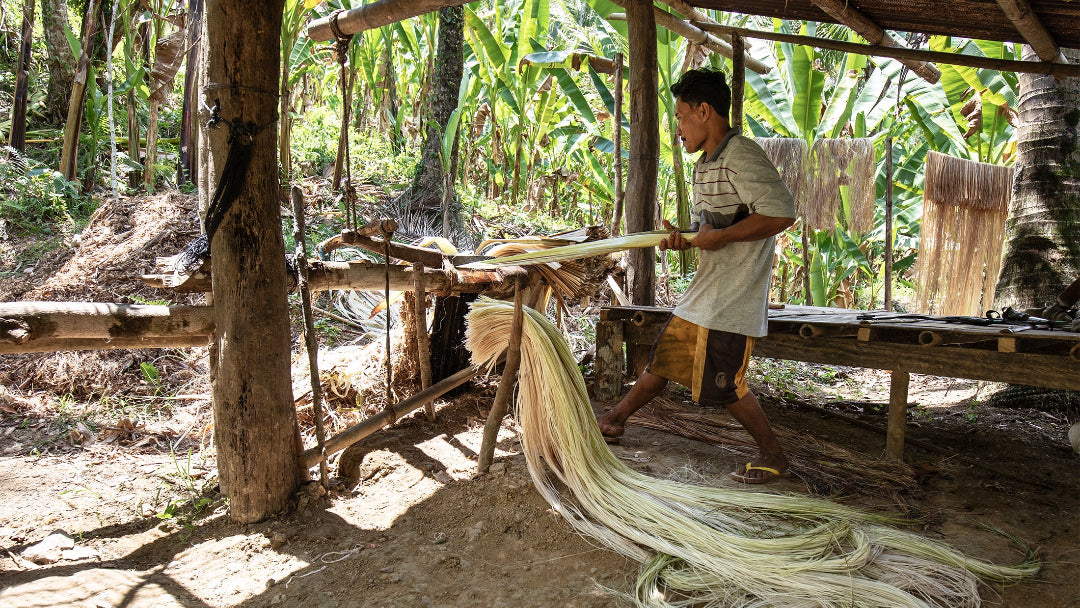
(70, 151)
(187, 164)
(428, 182)
(1042, 248)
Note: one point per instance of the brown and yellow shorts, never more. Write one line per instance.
(711, 363)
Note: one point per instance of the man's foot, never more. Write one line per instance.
(762, 470)
(610, 427)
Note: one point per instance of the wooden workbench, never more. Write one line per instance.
(898, 342)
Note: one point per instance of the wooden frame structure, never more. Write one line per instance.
(901, 343)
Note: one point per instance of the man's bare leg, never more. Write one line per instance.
(647, 386)
(749, 413)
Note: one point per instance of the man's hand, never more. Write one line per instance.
(675, 241)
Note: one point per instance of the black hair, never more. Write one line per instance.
(704, 86)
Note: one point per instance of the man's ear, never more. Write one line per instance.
(706, 110)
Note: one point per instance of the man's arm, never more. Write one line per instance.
(753, 227)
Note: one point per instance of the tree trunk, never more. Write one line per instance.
(254, 420)
(426, 190)
(149, 175)
(1042, 242)
(61, 62)
(17, 139)
(187, 162)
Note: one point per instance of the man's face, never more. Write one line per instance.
(691, 128)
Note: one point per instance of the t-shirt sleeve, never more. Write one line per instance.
(757, 181)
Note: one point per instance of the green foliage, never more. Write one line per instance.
(33, 195)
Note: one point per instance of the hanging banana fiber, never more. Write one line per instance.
(709, 546)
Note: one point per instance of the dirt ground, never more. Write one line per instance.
(146, 525)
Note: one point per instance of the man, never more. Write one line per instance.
(740, 204)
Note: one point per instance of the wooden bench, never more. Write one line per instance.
(901, 343)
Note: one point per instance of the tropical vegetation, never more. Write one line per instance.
(533, 132)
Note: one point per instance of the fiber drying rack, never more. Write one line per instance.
(899, 342)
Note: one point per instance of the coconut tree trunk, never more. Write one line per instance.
(1042, 242)
(426, 190)
(254, 419)
(17, 138)
(644, 146)
(61, 61)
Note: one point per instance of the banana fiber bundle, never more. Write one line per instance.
(709, 546)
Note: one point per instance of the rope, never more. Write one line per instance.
(341, 50)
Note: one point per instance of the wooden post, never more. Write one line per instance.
(644, 156)
(610, 360)
(310, 340)
(255, 429)
(898, 397)
(888, 223)
(738, 81)
(506, 386)
(423, 341)
(617, 140)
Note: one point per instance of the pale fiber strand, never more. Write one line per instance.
(704, 545)
(832, 164)
(788, 154)
(577, 250)
(965, 206)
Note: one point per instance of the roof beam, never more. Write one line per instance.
(1029, 25)
(691, 13)
(694, 34)
(843, 12)
(376, 14)
(1060, 70)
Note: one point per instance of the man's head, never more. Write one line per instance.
(702, 103)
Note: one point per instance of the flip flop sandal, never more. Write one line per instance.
(771, 474)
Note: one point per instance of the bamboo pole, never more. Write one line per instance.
(843, 12)
(697, 35)
(690, 13)
(506, 386)
(423, 340)
(24, 322)
(311, 341)
(375, 15)
(308, 458)
(55, 345)
(1029, 25)
(1060, 70)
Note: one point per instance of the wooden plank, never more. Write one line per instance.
(22, 322)
(898, 400)
(1052, 371)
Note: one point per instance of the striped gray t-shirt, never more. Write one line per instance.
(730, 290)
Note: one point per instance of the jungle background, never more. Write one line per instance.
(115, 448)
